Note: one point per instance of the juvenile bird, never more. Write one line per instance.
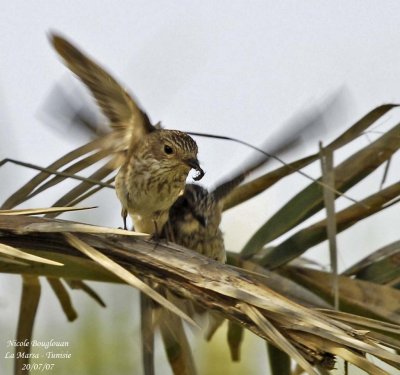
(195, 218)
(194, 222)
(156, 161)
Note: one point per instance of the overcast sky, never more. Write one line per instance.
(238, 68)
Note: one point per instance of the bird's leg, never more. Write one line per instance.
(156, 233)
(158, 227)
(155, 236)
(124, 214)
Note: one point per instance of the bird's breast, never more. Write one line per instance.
(150, 186)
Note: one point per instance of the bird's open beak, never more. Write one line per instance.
(194, 163)
(201, 219)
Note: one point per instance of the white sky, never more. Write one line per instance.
(238, 68)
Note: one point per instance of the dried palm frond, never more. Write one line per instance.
(309, 336)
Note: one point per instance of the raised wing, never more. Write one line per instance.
(117, 105)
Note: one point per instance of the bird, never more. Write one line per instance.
(156, 161)
(153, 177)
(194, 222)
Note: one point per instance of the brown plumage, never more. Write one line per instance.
(156, 161)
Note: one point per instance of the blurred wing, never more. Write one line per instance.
(300, 126)
(114, 101)
(66, 106)
(226, 187)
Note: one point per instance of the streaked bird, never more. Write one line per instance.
(155, 165)
(194, 222)
(156, 161)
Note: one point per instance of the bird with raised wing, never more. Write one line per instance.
(156, 161)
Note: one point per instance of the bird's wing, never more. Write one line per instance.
(301, 126)
(117, 105)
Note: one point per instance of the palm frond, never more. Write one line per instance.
(236, 294)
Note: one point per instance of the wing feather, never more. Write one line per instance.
(116, 104)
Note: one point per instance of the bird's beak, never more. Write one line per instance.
(194, 163)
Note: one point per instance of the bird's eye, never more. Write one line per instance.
(168, 150)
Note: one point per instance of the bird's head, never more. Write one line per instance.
(177, 149)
